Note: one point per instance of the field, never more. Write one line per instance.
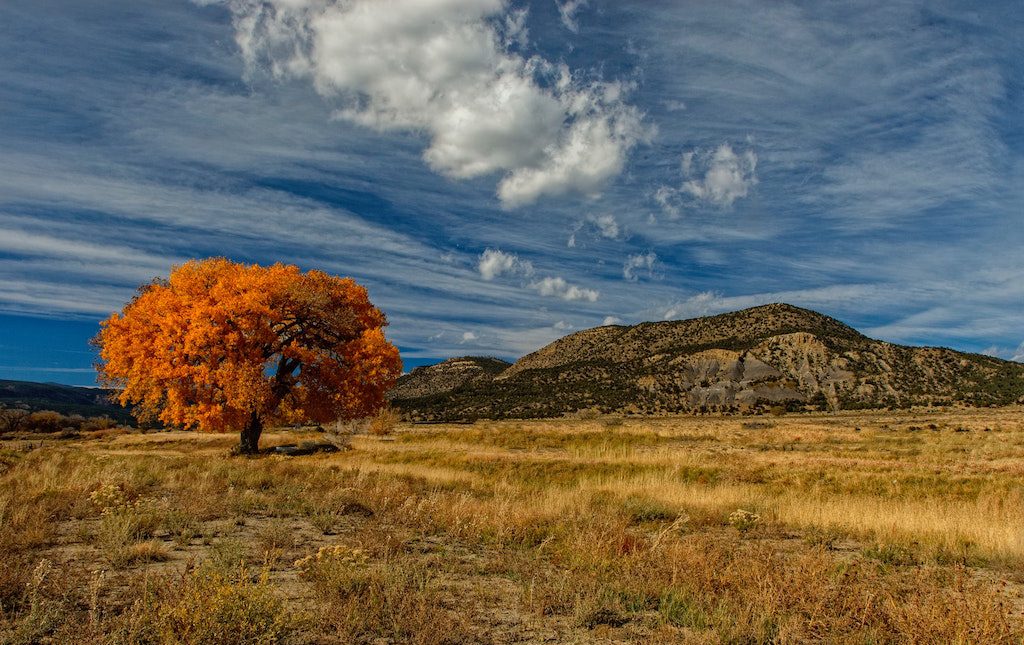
(904, 527)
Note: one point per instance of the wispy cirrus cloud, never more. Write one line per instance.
(887, 141)
(567, 10)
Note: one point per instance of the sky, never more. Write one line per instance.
(502, 173)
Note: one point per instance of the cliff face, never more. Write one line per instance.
(770, 355)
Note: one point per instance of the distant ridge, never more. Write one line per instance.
(771, 355)
(452, 374)
(66, 399)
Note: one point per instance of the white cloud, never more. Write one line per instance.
(468, 337)
(666, 197)
(561, 325)
(494, 263)
(687, 162)
(559, 288)
(635, 263)
(607, 226)
(567, 12)
(443, 68)
(611, 320)
(698, 305)
(1004, 353)
(604, 225)
(18, 242)
(728, 176)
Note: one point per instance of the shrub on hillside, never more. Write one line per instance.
(46, 421)
(18, 420)
(12, 419)
(384, 422)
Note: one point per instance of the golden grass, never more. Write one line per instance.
(882, 527)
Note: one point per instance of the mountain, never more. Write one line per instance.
(453, 374)
(66, 399)
(772, 355)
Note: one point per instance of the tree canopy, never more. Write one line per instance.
(223, 346)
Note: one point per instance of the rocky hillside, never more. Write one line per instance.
(742, 361)
(66, 399)
(453, 374)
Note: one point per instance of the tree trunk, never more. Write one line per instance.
(249, 443)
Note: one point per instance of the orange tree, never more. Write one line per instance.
(224, 346)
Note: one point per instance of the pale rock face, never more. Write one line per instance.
(757, 370)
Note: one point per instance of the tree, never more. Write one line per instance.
(222, 346)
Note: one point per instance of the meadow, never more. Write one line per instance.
(867, 527)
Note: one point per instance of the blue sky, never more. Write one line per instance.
(500, 174)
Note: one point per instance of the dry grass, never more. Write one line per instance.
(885, 527)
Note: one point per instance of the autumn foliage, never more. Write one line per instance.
(225, 346)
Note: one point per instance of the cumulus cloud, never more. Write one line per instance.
(718, 177)
(561, 325)
(494, 263)
(567, 12)
(611, 320)
(1009, 354)
(445, 68)
(727, 176)
(667, 198)
(634, 264)
(700, 304)
(604, 225)
(557, 287)
(607, 226)
(468, 337)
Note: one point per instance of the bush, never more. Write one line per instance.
(384, 422)
(206, 607)
(123, 526)
(213, 608)
(744, 520)
(12, 419)
(46, 421)
(93, 424)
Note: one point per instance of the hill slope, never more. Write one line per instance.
(453, 374)
(770, 355)
(66, 399)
